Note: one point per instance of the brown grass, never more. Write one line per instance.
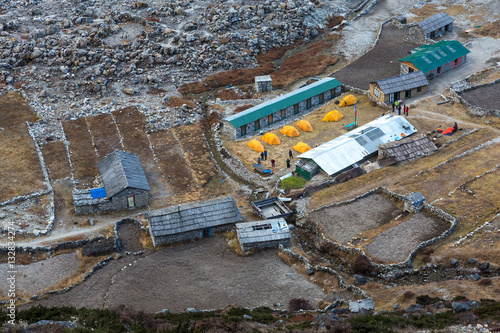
(234, 244)
(491, 29)
(83, 156)
(105, 134)
(56, 160)
(230, 94)
(179, 101)
(242, 108)
(146, 241)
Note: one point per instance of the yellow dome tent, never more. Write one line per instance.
(333, 116)
(302, 147)
(289, 131)
(348, 100)
(256, 145)
(305, 126)
(271, 138)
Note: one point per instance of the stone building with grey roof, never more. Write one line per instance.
(399, 87)
(263, 234)
(405, 149)
(192, 220)
(436, 25)
(125, 186)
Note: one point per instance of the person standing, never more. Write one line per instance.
(273, 163)
(290, 153)
(393, 106)
(265, 155)
(258, 160)
(288, 163)
(399, 109)
(407, 108)
(262, 155)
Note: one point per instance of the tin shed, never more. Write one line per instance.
(263, 234)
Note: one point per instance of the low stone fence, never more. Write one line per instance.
(118, 245)
(473, 109)
(407, 263)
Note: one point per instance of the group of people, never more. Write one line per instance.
(398, 105)
(263, 157)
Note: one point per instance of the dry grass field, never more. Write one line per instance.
(56, 160)
(21, 171)
(105, 134)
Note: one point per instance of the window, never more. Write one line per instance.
(308, 103)
(243, 130)
(376, 92)
(283, 114)
(295, 109)
(408, 94)
(270, 119)
(257, 124)
(321, 98)
(391, 97)
(419, 89)
(333, 93)
(131, 201)
(396, 96)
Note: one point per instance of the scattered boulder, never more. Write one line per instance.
(309, 271)
(359, 280)
(454, 262)
(415, 308)
(472, 261)
(484, 266)
(475, 277)
(128, 91)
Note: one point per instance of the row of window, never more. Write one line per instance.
(283, 113)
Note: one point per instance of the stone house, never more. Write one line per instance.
(257, 118)
(125, 186)
(263, 234)
(192, 220)
(414, 202)
(263, 83)
(436, 25)
(433, 60)
(399, 87)
(405, 149)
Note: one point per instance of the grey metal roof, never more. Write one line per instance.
(262, 231)
(435, 22)
(84, 198)
(263, 78)
(193, 216)
(415, 197)
(352, 147)
(121, 170)
(403, 82)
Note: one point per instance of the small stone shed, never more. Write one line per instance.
(433, 60)
(271, 208)
(263, 234)
(414, 202)
(436, 25)
(125, 186)
(259, 117)
(263, 83)
(405, 149)
(193, 220)
(399, 87)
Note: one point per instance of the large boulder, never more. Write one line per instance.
(484, 266)
(359, 280)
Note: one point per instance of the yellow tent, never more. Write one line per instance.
(305, 126)
(348, 100)
(289, 131)
(271, 138)
(333, 116)
(302, 147)
(256, 145)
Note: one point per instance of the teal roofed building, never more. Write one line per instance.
(259, 117)
(433, 60)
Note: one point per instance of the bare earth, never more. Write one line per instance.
(485, 97)
(204, 275)
(344, 222)
(53, 270)
(388, 245)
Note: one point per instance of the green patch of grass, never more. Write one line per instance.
(292, 182)
(426, 300)
(491, 310)
(263, 315)
(186, 317)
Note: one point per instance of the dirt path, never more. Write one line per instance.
(204, 275)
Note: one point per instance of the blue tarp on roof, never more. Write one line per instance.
(98, 193)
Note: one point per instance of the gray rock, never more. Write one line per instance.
(247, 317)
(38, 33)
(36, 53)
(475, 277)
(89, 12)
(128, 91)
(414, 308)
(164, 311)
(460, 306)
(454, 262)
(309, 271)
(484, 266)
(472, 261)
(359, 280)
(52, 29)
(192, 310)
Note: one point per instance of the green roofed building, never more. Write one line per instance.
(255, 119)
(433, 60)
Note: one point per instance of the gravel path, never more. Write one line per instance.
(53, 270)
(344, 222)
(485, 97)
(204, 275)
(389, 246)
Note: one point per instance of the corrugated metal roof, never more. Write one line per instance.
(343, 151)
(429, 57)
(262, 231)
(282, 102)
(193, 216)
(415, 197)
(121, 170)
(263, 78)
(403, 82)
(435, 22)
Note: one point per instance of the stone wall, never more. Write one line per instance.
(263, 245)
(473, 110)
(189, 235)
